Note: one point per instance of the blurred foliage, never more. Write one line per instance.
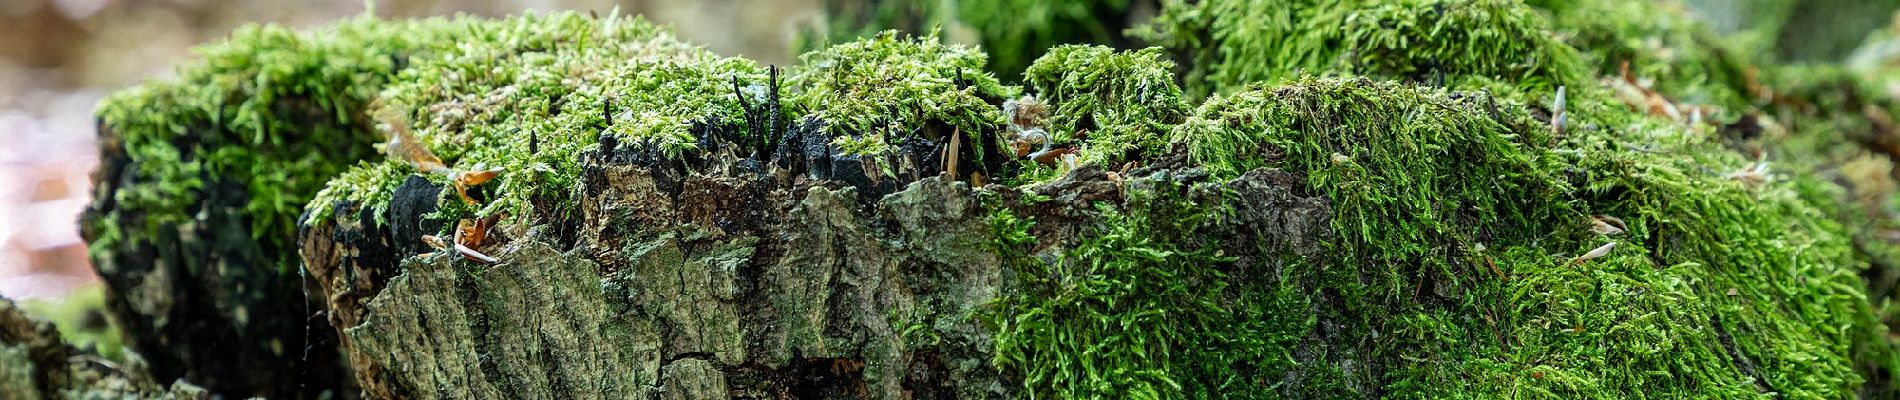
(1231, 43)
(1012, 32)
(80, 317)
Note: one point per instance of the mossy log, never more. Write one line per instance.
(1474, 206)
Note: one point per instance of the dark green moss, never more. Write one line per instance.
(1142, 309)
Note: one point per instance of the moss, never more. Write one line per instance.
(1748, 252)
(368, 182)
(528, 95)
(1146, 307)
(881, 89)
(1123, 102)
(1418, 179)
(1836, 124)
(271, 110)
(1429, 191)
(1231, 43)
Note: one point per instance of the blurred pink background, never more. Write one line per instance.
(58, 57)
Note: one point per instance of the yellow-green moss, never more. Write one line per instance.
(1230, 43)
(1460, 232)
(875, 92)
(1124, 102)
(1428, 187)
(527, 95)
(272, 110)
(1144, 309)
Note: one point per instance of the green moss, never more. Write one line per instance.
(1234, 42)
(1720, 288)
(1418, 180)
(1124, 102)
(368, 182)
(528, 95)
(270, 110)
(1769, 266)
(875, 92)
(1429, 190)
(1141, 310)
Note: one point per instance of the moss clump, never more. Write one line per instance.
(1143, 309)
(270, 110)
(1234, 42)
(1420, 182)
(371, 182)
(528, 95)
(1429, 191)
(875, 93)
(1123, 102)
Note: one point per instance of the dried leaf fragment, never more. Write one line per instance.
(403, 145)
(473, 255)
(1600, 251)
(1607, 225)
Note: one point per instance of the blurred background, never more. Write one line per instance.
(59, 57)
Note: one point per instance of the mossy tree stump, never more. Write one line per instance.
(876, 222)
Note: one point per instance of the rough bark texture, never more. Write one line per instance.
(733, 283)
(717, 282)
